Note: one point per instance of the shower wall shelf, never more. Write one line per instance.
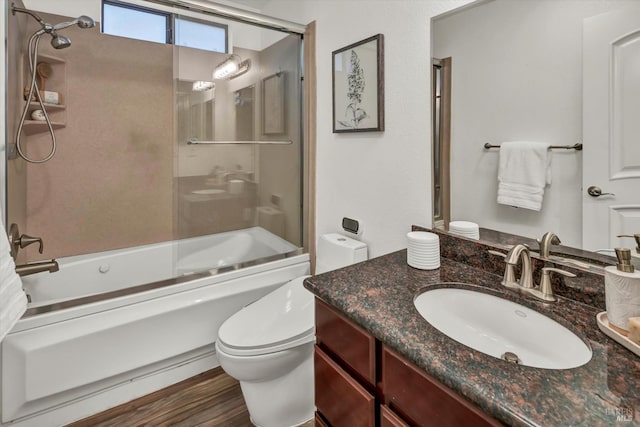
(57, 82)
(36, 126)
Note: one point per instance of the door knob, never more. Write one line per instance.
(594, 191)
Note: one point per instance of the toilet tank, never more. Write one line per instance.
(336, 251)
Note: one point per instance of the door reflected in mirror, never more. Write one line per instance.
(517, 75)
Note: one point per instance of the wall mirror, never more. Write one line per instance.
(196, 107)
(518, 74)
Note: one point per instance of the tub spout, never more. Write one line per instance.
(37, 267)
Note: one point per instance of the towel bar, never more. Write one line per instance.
(577, 146)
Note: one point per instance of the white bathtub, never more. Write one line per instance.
(113, 326)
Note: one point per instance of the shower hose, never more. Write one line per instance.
(34, 41)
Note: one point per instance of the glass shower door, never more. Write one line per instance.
(238, 175)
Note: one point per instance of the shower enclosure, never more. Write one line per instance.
(153, 148)
(173, 199)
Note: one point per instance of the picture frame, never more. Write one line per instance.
(358, 86)
(273, 108)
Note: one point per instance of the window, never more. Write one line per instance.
(127, 20)
(201, 35)
(124, 20)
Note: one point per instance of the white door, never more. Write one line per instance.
(611, 129)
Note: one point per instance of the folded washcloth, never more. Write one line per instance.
(13, 301)
(523, 172)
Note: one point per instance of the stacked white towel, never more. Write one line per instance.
(523, 172)
(13, 301)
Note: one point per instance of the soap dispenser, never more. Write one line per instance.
(622, 291)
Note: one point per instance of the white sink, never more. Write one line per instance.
(496, 326)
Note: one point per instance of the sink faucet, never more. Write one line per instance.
(545, 291)
(549, 238)
(516, 253)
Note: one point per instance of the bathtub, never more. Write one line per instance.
(113, 326)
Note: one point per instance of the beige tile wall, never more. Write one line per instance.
(110, 183)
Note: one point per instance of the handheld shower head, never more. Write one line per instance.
(82, 22)
(85, 21)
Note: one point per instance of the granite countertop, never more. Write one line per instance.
(378, 295)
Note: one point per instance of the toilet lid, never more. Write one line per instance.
(281, 319)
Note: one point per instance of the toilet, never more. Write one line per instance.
(268, 345)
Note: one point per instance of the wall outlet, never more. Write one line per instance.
(276, 200)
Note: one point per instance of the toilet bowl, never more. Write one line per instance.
(268, 345)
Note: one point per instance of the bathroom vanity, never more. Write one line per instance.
(378, 362)
(359, 379)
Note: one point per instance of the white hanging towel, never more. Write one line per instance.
(523, 172)
(13, 301)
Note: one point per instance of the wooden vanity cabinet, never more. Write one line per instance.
(345, 370)
(340, 399)
(424, 401)
(348, 343)
(361, 383)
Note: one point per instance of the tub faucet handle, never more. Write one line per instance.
(18, 241)
(25, 241)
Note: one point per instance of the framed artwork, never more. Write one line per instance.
(273, 113)
(358, 86)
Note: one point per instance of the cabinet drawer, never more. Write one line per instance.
(339, 398)
(342, 338)
(423, 400)
(389, 419)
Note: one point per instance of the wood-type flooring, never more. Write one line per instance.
(210, 399)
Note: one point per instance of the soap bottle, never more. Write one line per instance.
(622, 291)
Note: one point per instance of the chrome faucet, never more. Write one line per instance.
(549, 238)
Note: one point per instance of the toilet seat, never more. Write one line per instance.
(278, 321)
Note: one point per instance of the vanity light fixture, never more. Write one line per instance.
(201, 86)
(231, 67)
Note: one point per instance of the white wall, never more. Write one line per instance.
(382, 179)
(517, 75)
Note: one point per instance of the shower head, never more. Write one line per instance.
(85, 21)
(59, 42)
(82, 22)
